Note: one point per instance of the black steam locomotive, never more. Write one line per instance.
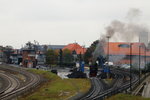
(101, 61)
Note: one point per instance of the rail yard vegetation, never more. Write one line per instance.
(127, 97)
(53, 55)
(56, 88)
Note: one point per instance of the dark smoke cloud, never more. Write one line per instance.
(98, 50)
(127, 32)
(120, 31)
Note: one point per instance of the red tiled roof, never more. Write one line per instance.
(116, 49)
(74, 46)
(81, 50)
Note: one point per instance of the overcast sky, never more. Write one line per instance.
(62, 21)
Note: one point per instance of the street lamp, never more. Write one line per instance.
(108, 55)
(108, 49)
(83, 51)
(130, 66)
(145, 62)
(139, 63)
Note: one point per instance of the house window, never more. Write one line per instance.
(124, 45)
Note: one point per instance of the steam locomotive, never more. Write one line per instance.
(101, 61)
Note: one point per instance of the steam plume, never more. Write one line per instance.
(120, 31)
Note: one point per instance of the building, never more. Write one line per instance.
(120, 53)
(33, 54)
(75, 47)
(5, 53)
(28, 57)
(1, 56)
(16, 57)
(55, 47)
(40, 58)
(47, 47)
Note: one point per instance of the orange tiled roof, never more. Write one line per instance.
(74, 46)
(123, 48)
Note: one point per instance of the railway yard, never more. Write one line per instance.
(16, 81)
(100, 90)
(74, 50)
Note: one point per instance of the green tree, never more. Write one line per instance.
(89, 52)
(67, 56)
(51, 57)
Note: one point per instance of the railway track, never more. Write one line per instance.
(16, 86)
(99, 93)
(140, 88)
(5, 83)
(98, 86)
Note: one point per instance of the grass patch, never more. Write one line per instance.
(126, 97)
(57, 88)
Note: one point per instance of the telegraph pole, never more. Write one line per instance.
(108, 56)
(130, 67)
(139, 63)
(145, 62)
(108, 49)
(60, 57)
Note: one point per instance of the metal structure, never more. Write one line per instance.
(145, 62)
(108, 56)
(130, 66)
(139, 63)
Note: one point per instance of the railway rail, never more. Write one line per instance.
(97, 87)
(139, 90)
(16, 86)
(98, 93)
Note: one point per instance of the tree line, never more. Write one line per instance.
(59, 57)
(67, 57)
